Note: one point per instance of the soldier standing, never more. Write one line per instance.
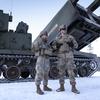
(42, 65)
(66, 60)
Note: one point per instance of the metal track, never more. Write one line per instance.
(31, 57)
(15, 56)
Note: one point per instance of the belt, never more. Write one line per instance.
(63, 52)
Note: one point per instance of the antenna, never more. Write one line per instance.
(10, 14)
(10, 10)
(11, 7)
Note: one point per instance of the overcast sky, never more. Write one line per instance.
(38, 13)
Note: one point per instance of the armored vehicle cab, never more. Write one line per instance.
(16, 58)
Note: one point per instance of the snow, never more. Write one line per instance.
(96, 73)
(89, 88)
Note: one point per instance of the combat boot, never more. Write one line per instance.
(46, 88)
(39, 91)
(61, 88)
(74, 90)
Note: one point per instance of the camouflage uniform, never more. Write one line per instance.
(65, 54)
(66, 60)
(42, 65)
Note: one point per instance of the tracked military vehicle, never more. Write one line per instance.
(84, 25)
(16, 56)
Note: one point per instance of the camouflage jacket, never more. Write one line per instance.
(42, 48)
(67, 43)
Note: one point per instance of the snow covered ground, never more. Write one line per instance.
(89, 88)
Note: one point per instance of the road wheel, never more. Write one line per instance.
(12, 73)
(54, 73)
(33, 73)
(83, 72)
(25, 73)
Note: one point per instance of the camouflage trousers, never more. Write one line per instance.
(42, 70)
(62, 74)
(66, 63)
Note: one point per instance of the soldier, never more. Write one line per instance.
(66, 60)
(42, 65)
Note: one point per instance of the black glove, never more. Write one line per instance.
(70, 44)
